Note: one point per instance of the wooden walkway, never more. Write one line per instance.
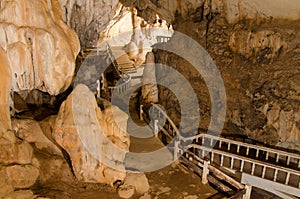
(230, 160)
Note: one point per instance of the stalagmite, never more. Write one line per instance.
(149, 89)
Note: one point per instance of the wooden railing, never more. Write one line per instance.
(254, 167)
(162, 39)
(123, 87)
(266, 163)
(113, 60)
(160, 121)
(287, 159)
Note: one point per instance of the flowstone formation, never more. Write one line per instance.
(31, 48)
(95, 140)
(34, 44)
(149, 88)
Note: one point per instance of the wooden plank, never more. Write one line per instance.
(220, 186)
(281, 190)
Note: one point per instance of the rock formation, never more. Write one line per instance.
(19, 168)
(149, 89)
(37, 51)
(134, 183)
(254, 46)
(132, 32)
(40, 48)
(95, 141)
(5, 87)
(88, 17)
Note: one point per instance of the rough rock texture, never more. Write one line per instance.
(30, 131)
(232, 10)
(259, 46)
(134, 33)
(40, 48)
(256, 48)
(95, 141)
(126, 192)
(4, 91)
(149, 88)
(22, 176)
(139, 181)
(88, 17)
(19, 169)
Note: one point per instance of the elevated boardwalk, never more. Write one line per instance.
(237, 163)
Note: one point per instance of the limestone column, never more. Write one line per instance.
(149, 89)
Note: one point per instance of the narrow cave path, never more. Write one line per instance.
(171, 181)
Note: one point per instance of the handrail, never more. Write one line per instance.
(247, 145)
(162, 39)
(122, 88)
(112, 59)
(254, 163)
(161, 111)
(265, 166)
(225, 140)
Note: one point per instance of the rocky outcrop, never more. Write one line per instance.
(263, 45)
(255, 47)
(134, 183)
(30, 131)
(37, 51)
(134, 33)
(41, 49)
(149, 88)
(19, 169)
(4, 91)
(233, 10)
(88, 17)
(95, 140)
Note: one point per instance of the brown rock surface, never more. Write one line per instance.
(30, 131)
(255, 45)
(137, 180)
(40, 48)
(4, 91)
(22, 177)
(88, 17)
(93, 139)
(13, 151)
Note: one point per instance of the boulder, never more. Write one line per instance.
(30, 131)
(126, 191)
(19, 176)
(137, 180)
(95, 141)
(15, 152)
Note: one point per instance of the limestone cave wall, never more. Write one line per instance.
(88, 17)
(255, 45)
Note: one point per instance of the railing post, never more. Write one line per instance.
(176, 150)
(205, 172)
(141, 112)
(98, 89)
(102, 81)
(248, 188)
(156, 128)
